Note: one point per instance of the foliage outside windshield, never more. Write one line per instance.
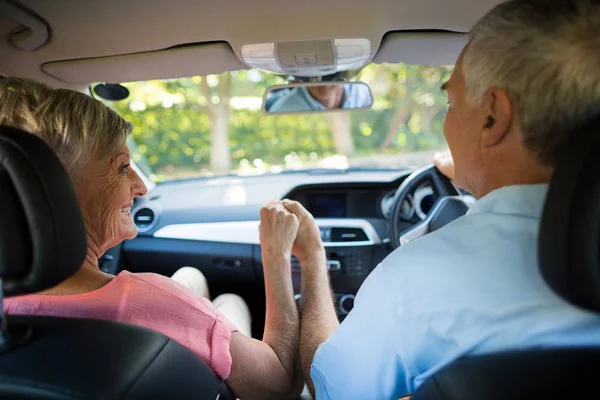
(214, 125)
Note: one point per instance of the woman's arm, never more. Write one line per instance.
(270, 368)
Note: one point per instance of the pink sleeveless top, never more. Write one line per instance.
(148, 300)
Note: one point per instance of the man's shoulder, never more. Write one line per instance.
(295, 100)
(444, 239)
(463, 241)
(475, 251)
(429, 256)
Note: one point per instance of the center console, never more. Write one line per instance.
(350, 249)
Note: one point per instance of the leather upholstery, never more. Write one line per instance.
(89, 359)
(42, 234)
(524, 375)
(569, 243)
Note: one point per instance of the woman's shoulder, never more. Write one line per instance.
(161, 288)
(145, 277)
(148, 280)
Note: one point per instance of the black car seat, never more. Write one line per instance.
(569, 261)
(43, 242)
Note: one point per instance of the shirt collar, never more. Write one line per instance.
(525, 200)
(312, 103)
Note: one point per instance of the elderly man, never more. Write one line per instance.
(529, 73)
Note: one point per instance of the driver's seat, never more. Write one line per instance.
(569, 256)
(43, 242)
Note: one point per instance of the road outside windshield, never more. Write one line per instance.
(213, 125)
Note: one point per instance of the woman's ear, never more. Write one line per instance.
(498, 118)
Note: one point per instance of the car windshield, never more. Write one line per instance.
(214, 125)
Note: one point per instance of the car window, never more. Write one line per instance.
(214, 125)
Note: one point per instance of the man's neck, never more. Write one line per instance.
(526, 172)
(327, 98)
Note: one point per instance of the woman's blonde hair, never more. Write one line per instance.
(77, 127)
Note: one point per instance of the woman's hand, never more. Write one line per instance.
(269, 369)
(308, 242)
(444, 162)
(278, 230)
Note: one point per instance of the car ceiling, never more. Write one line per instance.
(149, 36)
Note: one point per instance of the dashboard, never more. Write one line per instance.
(212, 224)
(416, 206)
(338, 201)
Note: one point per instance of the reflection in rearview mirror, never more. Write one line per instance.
(317, 97)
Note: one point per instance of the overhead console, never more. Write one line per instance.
(308, 58)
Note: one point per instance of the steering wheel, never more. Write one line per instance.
(448, 206)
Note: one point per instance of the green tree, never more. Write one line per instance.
(219, 110)
(413, 93)
(341, 129)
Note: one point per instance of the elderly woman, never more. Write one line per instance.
(90, 140)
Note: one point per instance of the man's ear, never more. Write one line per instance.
(498, 117)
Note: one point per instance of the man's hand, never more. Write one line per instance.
(318, 319)
(308, 241)
(278, 230)
(445, 163)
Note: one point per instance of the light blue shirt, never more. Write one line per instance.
(472, 287)
(299, 99)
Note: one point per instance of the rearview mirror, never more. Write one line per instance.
(317, 97)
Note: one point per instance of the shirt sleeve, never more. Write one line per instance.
(360, 361)
(220, 355)
(174, 310)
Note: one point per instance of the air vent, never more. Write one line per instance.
(348, 235)
(144, 218)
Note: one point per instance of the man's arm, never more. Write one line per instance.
(270, 368)
(318, 320)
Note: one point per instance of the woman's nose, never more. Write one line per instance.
(138, 188)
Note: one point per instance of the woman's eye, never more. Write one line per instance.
(123, 169)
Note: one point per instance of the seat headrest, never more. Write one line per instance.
(569, 242)
(42, 233)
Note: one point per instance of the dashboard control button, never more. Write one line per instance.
(333, 265)
(346, 304)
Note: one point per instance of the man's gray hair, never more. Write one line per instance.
(546, 55)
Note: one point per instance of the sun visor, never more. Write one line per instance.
(177, 62)
(421, 48)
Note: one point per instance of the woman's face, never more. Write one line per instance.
(106, 190)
